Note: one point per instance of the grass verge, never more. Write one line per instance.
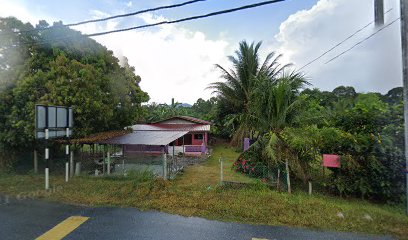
(196, 193)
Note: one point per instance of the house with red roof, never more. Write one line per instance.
(180, 134)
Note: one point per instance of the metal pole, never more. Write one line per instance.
(379, 12)
(404, 43)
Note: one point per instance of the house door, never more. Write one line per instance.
(188, 139)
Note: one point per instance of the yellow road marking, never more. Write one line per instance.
(63, 228)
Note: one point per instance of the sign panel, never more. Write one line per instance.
(54, 118)
(331, 160)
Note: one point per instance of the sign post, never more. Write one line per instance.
(47, 153)
(53, 122)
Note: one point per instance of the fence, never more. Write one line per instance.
(174, 166)
(274, 177)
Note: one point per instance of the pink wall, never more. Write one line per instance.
(199, 141)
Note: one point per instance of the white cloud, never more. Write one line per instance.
(375, 65)
(17, 9)
(129, 4)
(172, 61)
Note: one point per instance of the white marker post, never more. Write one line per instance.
(66, 171)
(108, 161)
(67, 155)
(47, 180)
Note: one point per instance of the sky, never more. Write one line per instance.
(177, 61)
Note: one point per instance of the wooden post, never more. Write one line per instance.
(71, 163)
(287, 176)
(310, 187)
(164, 164)
(174, 146)
(277, 181)
(108, 165)
(35, 162)
(123, 166)
(221, 171)
(183, 146)
(103, 160)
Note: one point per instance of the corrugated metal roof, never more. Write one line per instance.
(191, 119)
(172, 127)
(147, 138)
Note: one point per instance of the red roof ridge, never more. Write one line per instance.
(187, 118)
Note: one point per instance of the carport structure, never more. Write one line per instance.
(166, 141)
(150, 143)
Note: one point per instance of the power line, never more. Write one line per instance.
(340, 43)
(188, 18)
(365, 39)
(115, 16)
(163, 22)
(135, 13)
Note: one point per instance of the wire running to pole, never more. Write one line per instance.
(188, 18)
(159, 23)
(115, 16)
(365, 39)
(340, 43)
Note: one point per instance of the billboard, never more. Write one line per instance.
(54, 118)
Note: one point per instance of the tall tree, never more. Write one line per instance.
(237, 89)
(38, 66)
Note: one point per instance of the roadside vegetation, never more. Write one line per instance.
(290, 124)
(197, 193)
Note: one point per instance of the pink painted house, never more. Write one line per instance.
(177, 135)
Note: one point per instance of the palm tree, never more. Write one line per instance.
(240, 82)
(276, 106)
(277, 101)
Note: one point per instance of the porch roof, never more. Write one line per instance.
(146, 138)
(171, 127)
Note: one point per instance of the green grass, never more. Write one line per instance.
(196, 193)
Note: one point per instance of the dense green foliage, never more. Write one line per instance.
(298, 126)
(59, 66)
(202, 109)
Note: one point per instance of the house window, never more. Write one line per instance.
(198, 136)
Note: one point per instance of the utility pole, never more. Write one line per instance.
(404, 43)
(379, 12)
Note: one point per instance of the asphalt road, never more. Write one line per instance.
(29, 219)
